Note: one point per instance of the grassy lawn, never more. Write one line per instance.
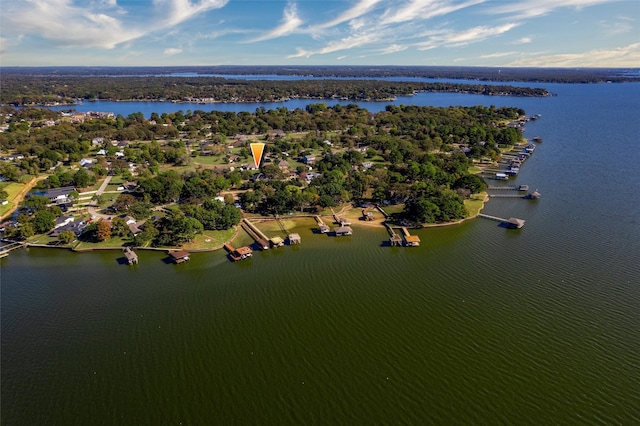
(210, 239)
(474, 205)
(13, 189)
(209, 160)
(475, 170)
(115, 242)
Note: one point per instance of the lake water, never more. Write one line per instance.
(478, 325)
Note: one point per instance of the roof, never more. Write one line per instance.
(244, 250)
(277, 240)
(178, 254)
(56, 192)
(412, 238)
(343, 230)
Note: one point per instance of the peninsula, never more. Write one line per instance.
(180, 178)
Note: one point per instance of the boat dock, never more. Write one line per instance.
(394, 239)
(410, 240)
(322, 227)
(239, 253)
(512, 222)
(509, 188)
(130, 255)
(4, 250)
(256, 234)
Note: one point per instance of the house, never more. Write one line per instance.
(179, 256)
(130, 186)
(86, 162)
(62, 221)
(309, 176)
(135, 227)
(234, 158)
(59, 194)
(367, 165)
(309, 159)
(97, 141)
(343, 231)
(129, 220)
(283, 165)
(76, 227)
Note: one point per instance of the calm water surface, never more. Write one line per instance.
(479, 325)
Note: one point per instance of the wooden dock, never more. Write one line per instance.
(14, 245)
(130, 255)
(239, 253)
(256, 234)
(322, 227)
(512, 222)
(410, 240)
(386, 216)
(394, 239)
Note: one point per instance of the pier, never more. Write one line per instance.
(410, 240)
(4, 250)
(322, 227)
(394, 239)
(512, 222)
(130, 255)
(509, 188)
(239, 253)
(256, 234)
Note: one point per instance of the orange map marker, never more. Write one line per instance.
(257, 149)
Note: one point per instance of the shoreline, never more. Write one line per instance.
(346, 211)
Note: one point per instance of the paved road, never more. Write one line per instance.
(93, 210)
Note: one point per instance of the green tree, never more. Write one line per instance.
(119, 227)
(66, 237)
(43, 221)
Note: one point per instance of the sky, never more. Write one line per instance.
(517, 33)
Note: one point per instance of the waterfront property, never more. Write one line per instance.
(59, 195)
(410, 240)
(179, 256)
(343, 231)
(294, 239)
(511, 223)
(322, 227)
(130, 255)
(276, 241)
(240, 253)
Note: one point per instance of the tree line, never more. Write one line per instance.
(21, 90)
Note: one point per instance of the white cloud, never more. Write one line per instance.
(533, 8)
(498, 55)
(104, 24)
(361, 8)
(172, 51)
(290, 23)
(424, 9)
(612, 28)
(178, 11)
(337, 45)
(626, 56)
(523, 40)
(472, 35)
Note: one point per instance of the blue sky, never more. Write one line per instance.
(541, 33)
